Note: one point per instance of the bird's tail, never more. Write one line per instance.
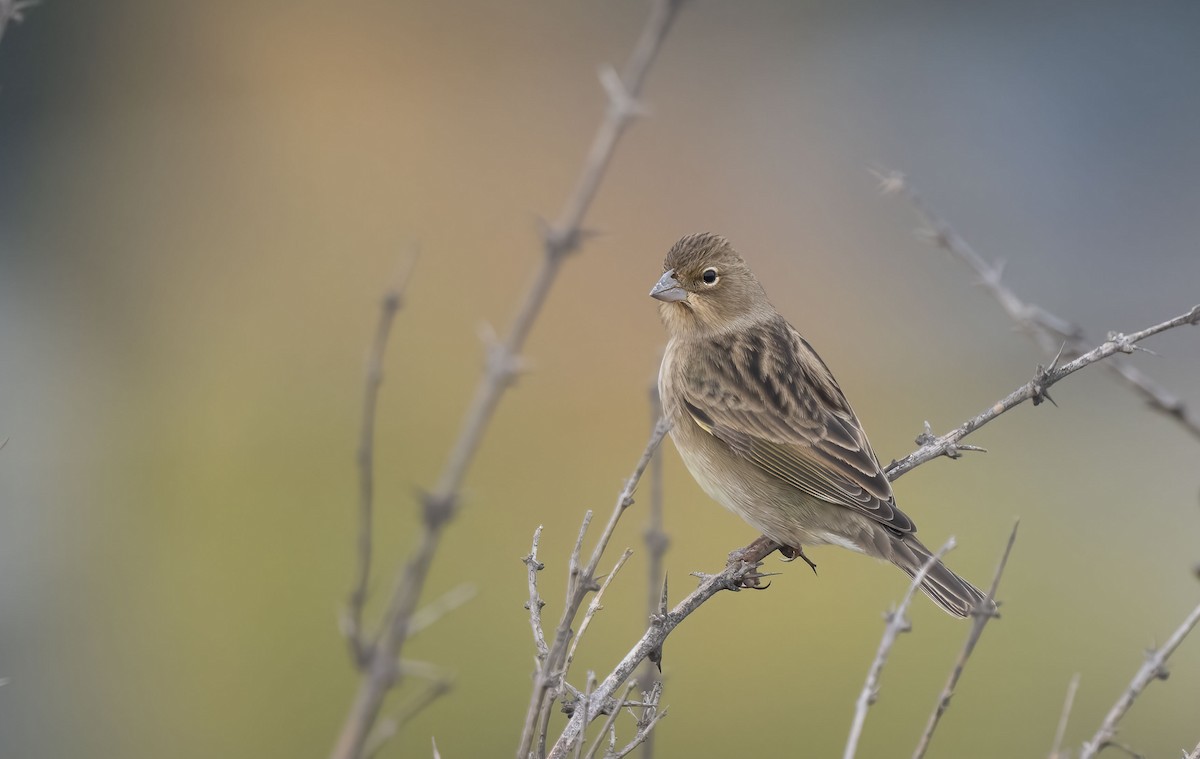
(949, 591)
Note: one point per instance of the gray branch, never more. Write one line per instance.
(390, 305)
(1053, 334)
(1035, 390)
(1153, 669)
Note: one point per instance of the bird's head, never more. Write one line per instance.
(706, 288)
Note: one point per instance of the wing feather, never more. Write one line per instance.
(766, 394)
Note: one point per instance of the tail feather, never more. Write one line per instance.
(955, 595)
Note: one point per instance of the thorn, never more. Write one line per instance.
(1057, 356)
(926, 437)
(1038, 387)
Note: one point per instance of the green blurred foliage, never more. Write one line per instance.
(200, 206)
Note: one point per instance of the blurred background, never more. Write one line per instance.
(200, 205)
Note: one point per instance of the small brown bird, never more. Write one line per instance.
(764, 428)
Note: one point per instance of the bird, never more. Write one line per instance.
(764, 429)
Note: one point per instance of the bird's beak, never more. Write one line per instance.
(668, 289)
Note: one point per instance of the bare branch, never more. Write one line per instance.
(981, 616)
(1153, 669)
(1051, 333)
(391, 303)
(452, 599)
(612, 717)
(535, 602)
(587, 693)
(1195, 753)
(1034, 390)
(896, 623)
(439, 506)
(1060, 733)
(645, 730)
(389, 727)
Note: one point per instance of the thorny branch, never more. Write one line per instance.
(981, 616)
(1153, 669)
(390, 305)
(559, 239)
(1052, 333)
(1035, 390)
(896, 623)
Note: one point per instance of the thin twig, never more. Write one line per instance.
(535, 602)
(656, 548)
(981, 616)
(593, 607)
(389, 727)
(1153, 669)
(1061, 731)
(1051, 333)
(1035, 390)
(612, 717)
(896, 623)
(431, 612)
(643, 733)
(583, 702)
(390, 305)
(559, 240)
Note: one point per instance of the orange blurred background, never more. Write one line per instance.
(200, 206)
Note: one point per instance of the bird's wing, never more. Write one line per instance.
(766, 394)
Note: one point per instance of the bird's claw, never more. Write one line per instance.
(790, 553)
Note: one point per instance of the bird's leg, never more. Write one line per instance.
(761, 548)
(790, 553)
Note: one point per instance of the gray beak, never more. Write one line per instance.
(668, 289)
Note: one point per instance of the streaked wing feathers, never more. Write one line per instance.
(768, 396)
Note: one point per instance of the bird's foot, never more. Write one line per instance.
(791, 553)
(754, 580)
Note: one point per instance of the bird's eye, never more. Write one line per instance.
(710, 276)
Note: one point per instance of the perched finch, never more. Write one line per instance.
(764, 428)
